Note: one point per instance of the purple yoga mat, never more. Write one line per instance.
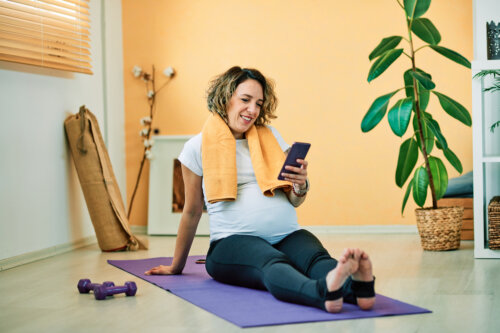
(248, 307)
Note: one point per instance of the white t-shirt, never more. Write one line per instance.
(252, 213)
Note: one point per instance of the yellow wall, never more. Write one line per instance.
(317, 52)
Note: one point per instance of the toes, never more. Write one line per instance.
(348, 253)
(357, 254)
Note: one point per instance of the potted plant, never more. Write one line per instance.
(439, 228)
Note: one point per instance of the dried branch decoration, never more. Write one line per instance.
(147, 122)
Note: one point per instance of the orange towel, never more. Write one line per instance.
(218, 154)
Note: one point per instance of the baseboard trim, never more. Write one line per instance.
(139, 229)
(30, 257)
(362, 229)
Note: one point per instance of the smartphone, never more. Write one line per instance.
(298, 151)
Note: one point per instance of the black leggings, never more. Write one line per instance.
(293, 270)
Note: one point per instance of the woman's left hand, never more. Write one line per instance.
(301, 174)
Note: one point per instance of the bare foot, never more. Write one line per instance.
(364, 273)
(337, 276)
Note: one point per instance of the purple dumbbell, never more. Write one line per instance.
(84, 285)
(101, 292)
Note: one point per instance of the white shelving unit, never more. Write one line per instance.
(486, 145)
(161, 219)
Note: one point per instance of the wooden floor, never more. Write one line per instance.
(463, 293)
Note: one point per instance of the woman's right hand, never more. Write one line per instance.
(193, 208)
(163, 270)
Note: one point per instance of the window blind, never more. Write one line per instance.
(46, 33)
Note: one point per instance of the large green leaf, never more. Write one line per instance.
(408, 156)
(453, 159)
(376, 112)
(383, 62)
(423, 94)
(399, 115)
(426, 31)
(407, 194)
(427, 133)
(439, 176)
(454, 109)
(435, 129)
(420, 184)
(424, 80)
(452, 55)
(385, 45)
(416, 8)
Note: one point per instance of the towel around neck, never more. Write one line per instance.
(218, 154)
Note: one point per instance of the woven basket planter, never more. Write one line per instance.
(494, 224)
(440, 228)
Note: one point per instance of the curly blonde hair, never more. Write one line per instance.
(222, 88)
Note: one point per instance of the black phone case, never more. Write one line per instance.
(298, 151)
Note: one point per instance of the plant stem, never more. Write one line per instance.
(152, 100)
(419, 122)
(421, 47)
(150, 125)
(406, 54)
(163, 86)
(136, 184)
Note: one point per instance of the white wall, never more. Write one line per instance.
(41, 202)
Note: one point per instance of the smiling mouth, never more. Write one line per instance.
(246, 118)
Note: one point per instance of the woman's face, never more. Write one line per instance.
(244, 107)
